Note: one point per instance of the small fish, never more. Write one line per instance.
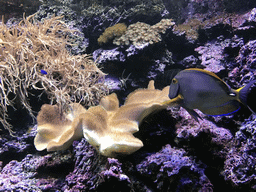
(200, 89)
(43, 72)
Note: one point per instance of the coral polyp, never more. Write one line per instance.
(33, 56)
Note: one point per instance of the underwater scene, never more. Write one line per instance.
(127, 96)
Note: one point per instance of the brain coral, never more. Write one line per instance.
(111, 32)
(141, 33)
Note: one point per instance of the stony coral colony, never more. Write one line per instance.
(33, 56)
(137, 34)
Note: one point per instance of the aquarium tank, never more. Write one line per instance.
(124, 96)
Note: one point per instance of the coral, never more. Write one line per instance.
(138, 33)
(172, 170)
(240, 162)
(215, 25)
(244, 72)
(115, 125)
(93, 172)
(93, 17)
(33, 56)
(109, 134)
(211, 55)
(192, 26)
(20, 176)
(141, 33)
(112, 32)
(163, 25)
(113, 177)
(56, 130)
(15, 8)
(16, 148)
(190, 29)
(107, 127)
(86, 164)
(102, 56)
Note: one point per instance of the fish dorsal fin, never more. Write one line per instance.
(205, 71)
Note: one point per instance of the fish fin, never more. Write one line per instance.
(193, 114)
(173, 102)
(206, 72)
(225, 109)
(246, 95)
(224, 114)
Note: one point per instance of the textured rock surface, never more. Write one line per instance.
(95, 173)
(170, 169)
(240, 161)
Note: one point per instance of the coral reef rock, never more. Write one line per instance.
(171, 169)
(240, 163)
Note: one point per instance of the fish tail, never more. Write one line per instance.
(247, 95)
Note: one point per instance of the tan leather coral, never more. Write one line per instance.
(56, 130)
(107, 127)
(110, 135)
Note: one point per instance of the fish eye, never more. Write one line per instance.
(174, 81)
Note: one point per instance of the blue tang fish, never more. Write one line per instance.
(201, 89)
(43, 72)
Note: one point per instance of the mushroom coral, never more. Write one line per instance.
(107, 127)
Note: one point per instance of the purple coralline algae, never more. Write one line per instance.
(172, 170)
(135, 50)
(188, 128)
(82, 176)
(212, 55)
(30, 172)
(102, 56)
(252, 15)
(16, 147)
(244, 71)
(240, 163)
(205, 139)
(113, 177)
(95, 173)
(21, 176)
